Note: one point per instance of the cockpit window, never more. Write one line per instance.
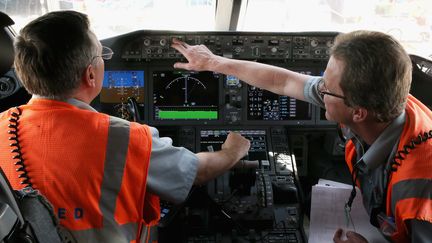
(115, 17)
(410, 21)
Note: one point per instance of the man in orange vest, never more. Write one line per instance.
(104, 175)
(365, 87)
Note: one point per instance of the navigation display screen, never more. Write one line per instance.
(185, 95)
(263, 105)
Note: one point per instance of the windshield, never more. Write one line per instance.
(409, 21)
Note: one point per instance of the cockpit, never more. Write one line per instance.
(267, 197)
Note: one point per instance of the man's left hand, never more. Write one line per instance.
(352, 237)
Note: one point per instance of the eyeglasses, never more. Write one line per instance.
(322, 90)
(107, 53)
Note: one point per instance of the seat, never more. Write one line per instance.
(421, 85)
(10, 214)
(6, 42)
(12, 92)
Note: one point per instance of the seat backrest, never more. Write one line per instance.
(10, 214)
(26, 216)
(6, 43)
(421, 85)
(12, 92)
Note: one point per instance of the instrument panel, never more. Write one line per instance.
(274, 46)
(142, 68)
(259, 199)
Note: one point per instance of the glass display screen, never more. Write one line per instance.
(119, 85)
(264, 105)
(185, 95)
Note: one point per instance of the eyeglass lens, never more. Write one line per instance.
(107, 53)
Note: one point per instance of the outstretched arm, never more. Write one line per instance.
(275, 79)
(213, 164)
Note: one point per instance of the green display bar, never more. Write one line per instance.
(188, 115)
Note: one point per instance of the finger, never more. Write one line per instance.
(356, 236)
(181, 65)
(184, 44)
(230, 135)
(350, 234)
(233, 133)
(337, 236)
(180, 44)
(178, 47)
(177, 41)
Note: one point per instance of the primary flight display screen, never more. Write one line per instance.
(122, 84)
(185, 95)
(263, 105)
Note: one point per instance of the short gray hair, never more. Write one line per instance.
(52, 53)
(377, 74)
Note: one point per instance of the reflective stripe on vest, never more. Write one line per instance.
(115, 160)
(413, 188)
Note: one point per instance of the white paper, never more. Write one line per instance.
(324, 182)
(328, 214)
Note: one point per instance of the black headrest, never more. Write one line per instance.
(5, 20)
(422, 79)
(6, 43)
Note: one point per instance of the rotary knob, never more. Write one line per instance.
(314, 43)
(147, 42)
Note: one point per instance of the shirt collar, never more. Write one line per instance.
(383, 145)
(72, 101)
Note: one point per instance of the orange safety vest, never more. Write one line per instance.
(92, 167)
(408, 191)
